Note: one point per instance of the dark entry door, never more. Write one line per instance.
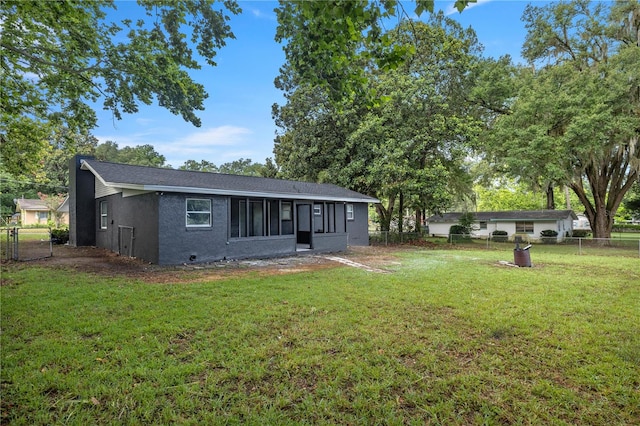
(303, 227)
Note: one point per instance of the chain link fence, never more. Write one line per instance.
(582, 245)
(21, 244)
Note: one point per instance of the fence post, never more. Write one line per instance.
(15, 243)
(50, 243)
(580, 246)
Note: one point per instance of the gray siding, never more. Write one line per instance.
(329, 242)
(358, 229)
(179, 243)
(140, 213)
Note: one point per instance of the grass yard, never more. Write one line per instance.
(447, 337)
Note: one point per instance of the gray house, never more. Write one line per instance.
(168, 216)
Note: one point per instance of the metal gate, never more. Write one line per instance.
(26, 243)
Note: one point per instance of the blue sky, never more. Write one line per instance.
(236, 122)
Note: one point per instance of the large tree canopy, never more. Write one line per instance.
(408, 149)
(576, 117)
(58, 58)
(324, 38)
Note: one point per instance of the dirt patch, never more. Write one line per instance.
(105, 263)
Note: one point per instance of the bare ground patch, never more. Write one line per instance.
(105, 263)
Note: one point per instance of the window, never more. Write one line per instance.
(198, 212)
(103, 215)
(286, 210)
(42, 216)
(350, 212)
(483, 225)
(524, 227)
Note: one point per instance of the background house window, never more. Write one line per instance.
(483, 225)
(198, 212)
(350, 212)
(42, 217)
(103, 215)
(525, 227)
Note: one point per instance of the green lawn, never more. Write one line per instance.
(450, 337)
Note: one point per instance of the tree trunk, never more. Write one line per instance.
(401, 213)
(418, 220)
(551, 202)
(385, 213)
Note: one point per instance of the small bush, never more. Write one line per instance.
(549, 236)
(458, 233)
(625, 227)
(500, 236)
(549, 233)
(581, 233)
(60, 236)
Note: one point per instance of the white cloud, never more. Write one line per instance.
(214, 136)
(217, 144)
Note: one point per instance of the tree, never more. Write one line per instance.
(576, 117)
(324, 38)
(53, 202)
(60, 57)
(142, 155)
(202, 166)
(242, 167)
(632, 201)
(408, 149)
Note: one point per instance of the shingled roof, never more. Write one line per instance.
(143, 178)
(510, 216)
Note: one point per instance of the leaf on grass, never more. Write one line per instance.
(95, 401)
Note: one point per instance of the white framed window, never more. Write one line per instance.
(198, 212)
(103, 215)
(524, 227)
(483, 224)
(350, 212)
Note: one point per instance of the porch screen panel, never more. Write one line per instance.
(318, 218)
(331, 217)
(256, 215)
(274, 217)
(287, 218)
(238, 218)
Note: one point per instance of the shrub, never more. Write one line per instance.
(549, 236)
(581, 233)
(500, 236)
(458, 233)
(625, 227)
(60, 236)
